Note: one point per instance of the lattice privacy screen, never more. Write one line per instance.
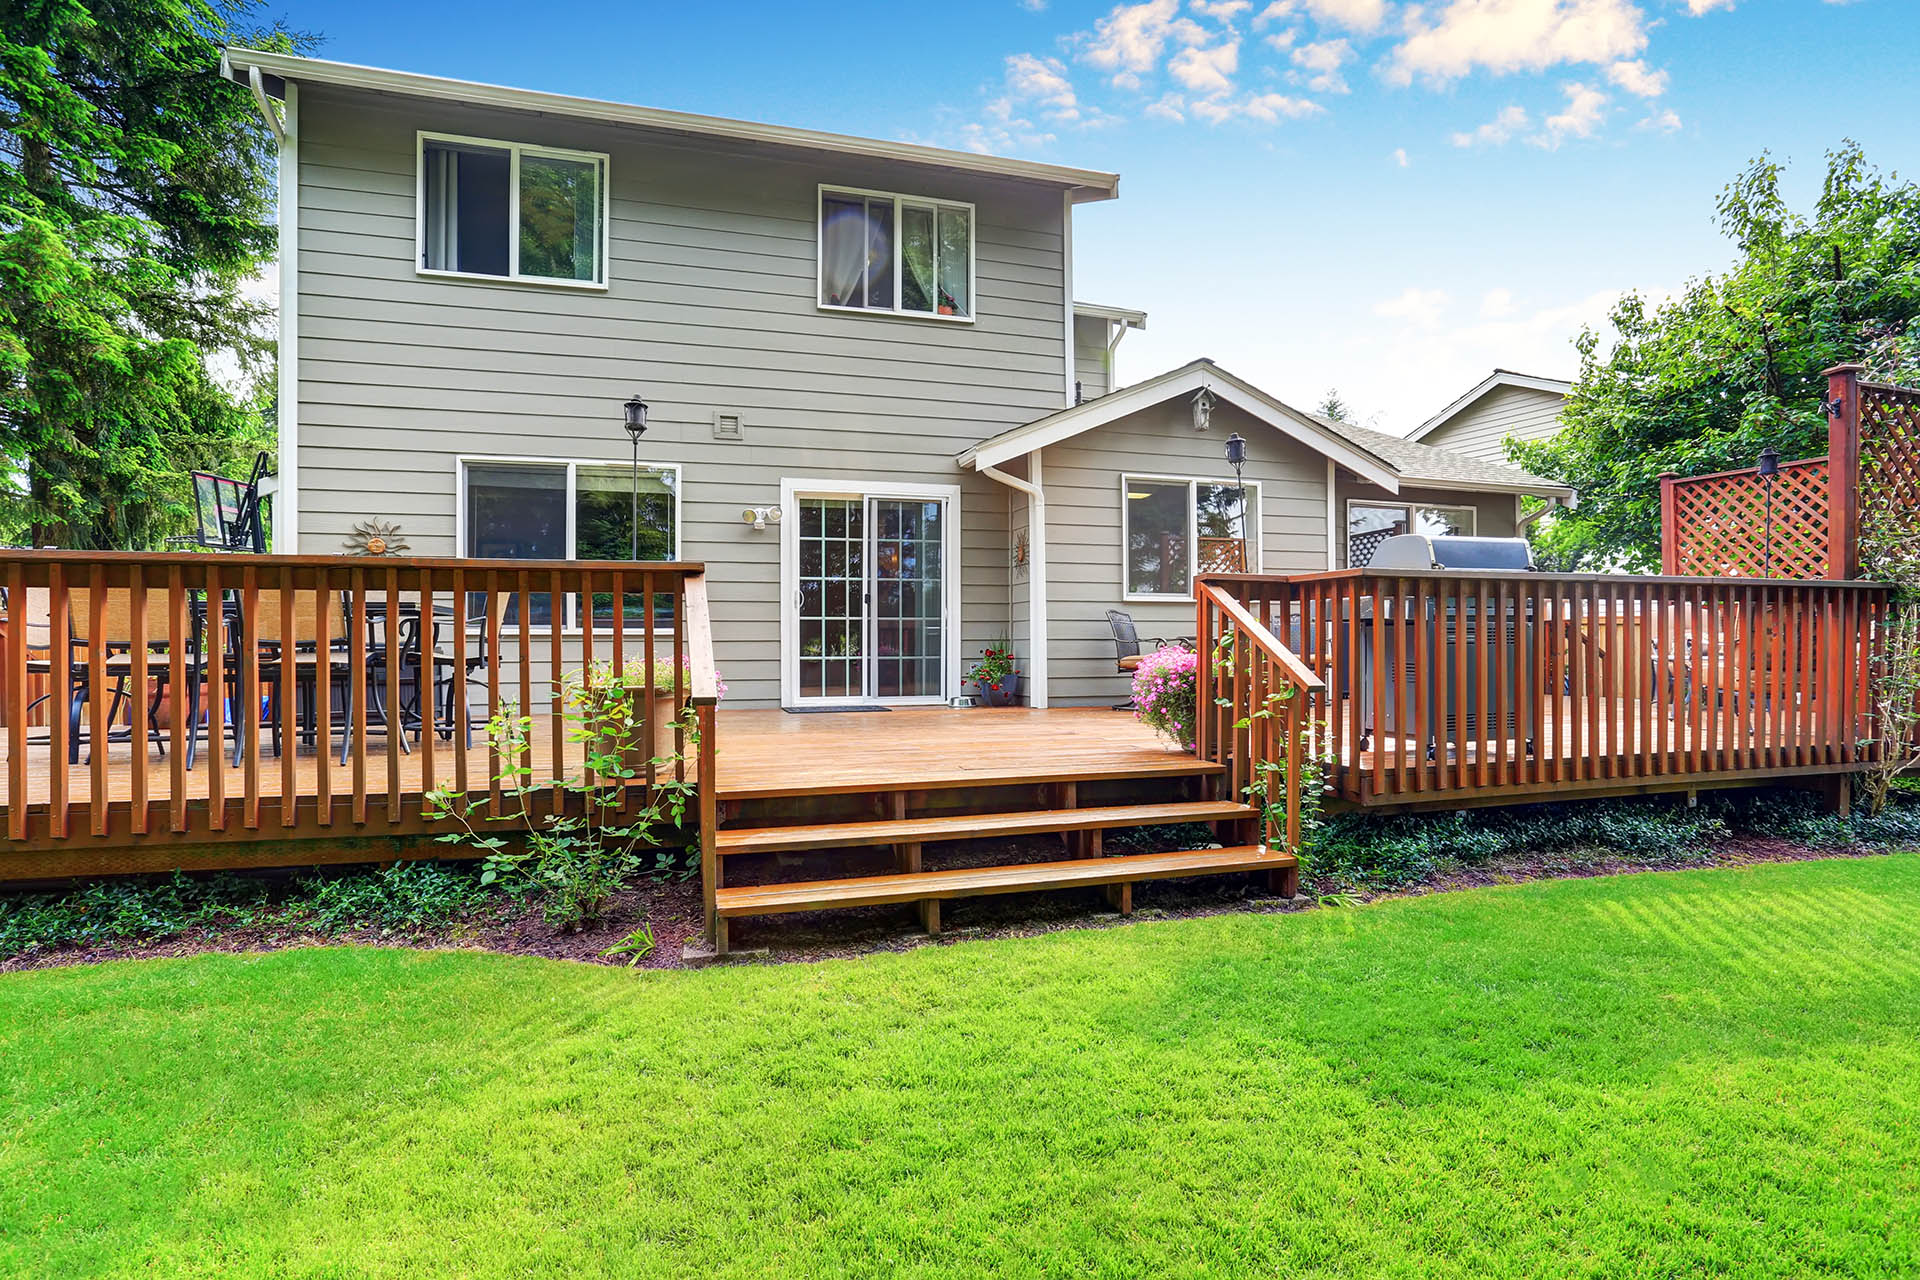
(1719, 523)
(1889, 482)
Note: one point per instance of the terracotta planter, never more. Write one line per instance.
(659, 710)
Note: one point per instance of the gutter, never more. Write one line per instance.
(1036, 575)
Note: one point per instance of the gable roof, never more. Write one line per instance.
(1387, 461)
(1498, 378)
(1188, 379)
(239, 64)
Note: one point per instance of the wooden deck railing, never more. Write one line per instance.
(1443, 685)
(1252, 712)
(212, 698)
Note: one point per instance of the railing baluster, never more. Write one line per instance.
(246, 731)
(287, 697)
(459, 713)
(182, 698)
(426, 682)
(325, 601)
(680, 647)
(493, 691)
(556, 642)
(138, 729)
(60, 688)
(215, 758)
(523, 607)
(17, 798)
(357, 709)
(647, 703)
(98, 702)
(396, 719)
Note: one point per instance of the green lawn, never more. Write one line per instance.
(1704, 1073)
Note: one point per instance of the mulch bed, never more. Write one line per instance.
(674, 911)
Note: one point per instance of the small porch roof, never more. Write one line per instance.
(1387, 461)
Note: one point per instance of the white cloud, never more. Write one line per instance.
(1363, 16)
(1510, 121)
(1698, 7)
(1496, 303)
(1128, 42)
(1664, 121)
(1043, 82)
(1636, 78)
(1265, 108)
(1207, 72)
(1586, 109)
(1514, 35)
(1400, 157)
(1322, 61)
(1169, 107)
(1221, 10)
(1418, 307)
(1281, 41)
(1033, 6)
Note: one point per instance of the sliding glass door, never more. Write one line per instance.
(870, 599)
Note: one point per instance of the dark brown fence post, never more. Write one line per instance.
(1843, 470)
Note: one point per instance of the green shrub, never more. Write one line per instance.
(401, 897)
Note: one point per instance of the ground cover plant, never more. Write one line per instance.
(1708, 1072)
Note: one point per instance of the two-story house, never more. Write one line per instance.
(874, 410)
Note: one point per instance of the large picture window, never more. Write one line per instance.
(897, 254)
(518, 510)
(1371, 523)
(510, 211)
(1176, 528)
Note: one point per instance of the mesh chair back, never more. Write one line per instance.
(116, 616)
(305, 618)
(1126, 640)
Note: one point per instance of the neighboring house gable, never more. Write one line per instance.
(1505, 405)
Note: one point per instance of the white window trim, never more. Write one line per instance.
(1257, 549)
(1406, 509)
(514, 151)
(792, 489)
(572, 468)
(895, 312)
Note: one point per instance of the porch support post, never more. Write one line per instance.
(1669, 526)
(1843, 470)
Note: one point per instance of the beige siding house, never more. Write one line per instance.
(875, 411)
(1502, 406)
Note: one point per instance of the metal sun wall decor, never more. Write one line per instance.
(376, 538)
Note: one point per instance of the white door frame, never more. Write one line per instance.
(793, 488)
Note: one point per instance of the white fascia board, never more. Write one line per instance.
(1543, 490)
(1183, 381)
(1498, 378)
(1127, 316)
(1086, 184)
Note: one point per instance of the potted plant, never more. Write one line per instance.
(994, 678)
(1166, 694)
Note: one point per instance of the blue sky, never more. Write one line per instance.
(1383, 197)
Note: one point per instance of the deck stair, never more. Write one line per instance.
(764, 826)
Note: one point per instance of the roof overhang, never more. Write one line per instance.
(275, 69)
(1527, 488)
(1126, 317)
(1498, 378)
(1188, 380)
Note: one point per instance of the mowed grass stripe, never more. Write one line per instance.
(1655, 1074)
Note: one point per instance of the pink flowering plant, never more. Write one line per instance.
(1166, 694)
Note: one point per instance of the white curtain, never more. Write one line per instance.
(844, 241)
(443, 209)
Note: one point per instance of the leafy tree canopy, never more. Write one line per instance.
(1705, 381)
(136, 201)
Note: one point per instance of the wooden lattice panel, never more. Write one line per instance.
(1719, 523)
(1222, 555)
(1889, 481)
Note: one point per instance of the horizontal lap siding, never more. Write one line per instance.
(1084, 528)
(1482, 428)
(1090, 357)
(710, 307)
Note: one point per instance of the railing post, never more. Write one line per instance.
(1843, 470)
(1669, 526)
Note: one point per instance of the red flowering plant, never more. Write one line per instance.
(995, 665)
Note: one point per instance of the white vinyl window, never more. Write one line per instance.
(527, 509)
(1371, 523)
(895, 254)
(501, 210)
(1176, 527)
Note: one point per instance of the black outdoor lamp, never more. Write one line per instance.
(1237, 459)
(636, 424)
(1768, 470)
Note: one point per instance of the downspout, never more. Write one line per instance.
(1036, 573)
(1551, 504)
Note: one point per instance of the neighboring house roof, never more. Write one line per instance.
(1385, 460)
(240, 64)
(1125, 316)
(1498, 378)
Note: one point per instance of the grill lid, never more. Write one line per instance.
(1418, 551)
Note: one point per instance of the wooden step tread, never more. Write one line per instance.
(841, 835)
(870, 891)
(817, 779)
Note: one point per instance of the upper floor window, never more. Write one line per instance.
(893, 253)
(513, 212)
